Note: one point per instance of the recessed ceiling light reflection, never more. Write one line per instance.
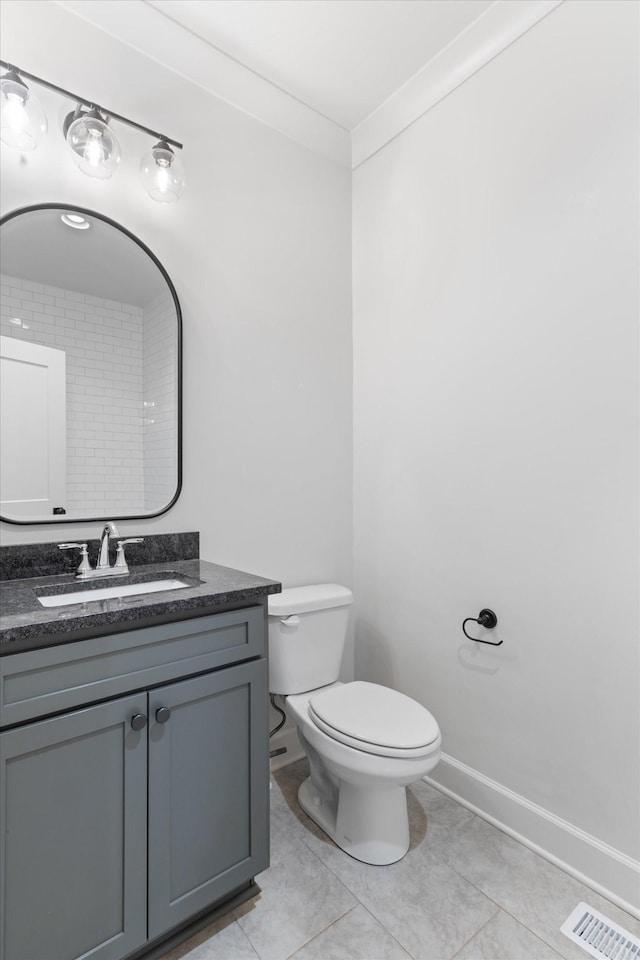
(75, 221)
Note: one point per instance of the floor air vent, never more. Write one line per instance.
(599, 936)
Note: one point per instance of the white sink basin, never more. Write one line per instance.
(108, 593)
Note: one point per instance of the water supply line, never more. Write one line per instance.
(279, 750)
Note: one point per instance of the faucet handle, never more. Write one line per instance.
(85, 566)
(121, 563)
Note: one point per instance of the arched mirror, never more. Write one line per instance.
(90, 371)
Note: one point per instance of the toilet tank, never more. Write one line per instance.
(307, 634)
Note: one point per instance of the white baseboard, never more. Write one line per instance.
(606, 870)
(287, 738)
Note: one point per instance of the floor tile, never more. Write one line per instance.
(285, 784)
(503, 938)
(442, 818)
(443, 900)
(356, 936)
(300, 898)
(533, 890)
(429, 909)
(222, 940)
(286, 781)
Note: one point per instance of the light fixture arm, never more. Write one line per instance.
(90, 104)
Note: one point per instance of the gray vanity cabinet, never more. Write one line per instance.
(73, 835)
(124, 818)
(207, 817)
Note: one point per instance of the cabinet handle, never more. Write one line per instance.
(163, 714)
(138, 721)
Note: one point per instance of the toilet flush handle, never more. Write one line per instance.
(292, 621)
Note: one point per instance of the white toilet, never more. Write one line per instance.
(365, 743)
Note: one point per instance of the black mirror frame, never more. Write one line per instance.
(113, 223)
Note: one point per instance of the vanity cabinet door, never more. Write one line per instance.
(73, 807)
(208, 790)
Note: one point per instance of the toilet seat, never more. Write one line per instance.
(375, 719)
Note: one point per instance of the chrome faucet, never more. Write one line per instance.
(110, 530)
(102, 569)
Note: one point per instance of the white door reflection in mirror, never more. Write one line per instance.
(33, 428)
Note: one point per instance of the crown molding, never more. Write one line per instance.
(151, 33)
(145, 29)
(497, 28)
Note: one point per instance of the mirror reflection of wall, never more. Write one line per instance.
(121, 384)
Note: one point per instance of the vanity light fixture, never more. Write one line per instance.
(23, 123)
(163, 173)
(95, 147)
(88, 132)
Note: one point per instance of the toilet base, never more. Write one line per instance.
(370, 824)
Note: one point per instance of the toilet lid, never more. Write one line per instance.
(375, 716)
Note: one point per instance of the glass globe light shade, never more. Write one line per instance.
(94, 145)
(163, 174)
(23, 123)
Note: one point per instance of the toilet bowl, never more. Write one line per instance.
(356, 792)
(365, 742)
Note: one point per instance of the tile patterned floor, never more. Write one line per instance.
(464, 890)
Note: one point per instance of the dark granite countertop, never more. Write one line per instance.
(26, 625)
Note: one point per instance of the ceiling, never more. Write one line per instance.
(341, 58)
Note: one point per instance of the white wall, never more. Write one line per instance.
(259, 251)
(495, 402)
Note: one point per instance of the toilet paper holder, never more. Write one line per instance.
(486, 618)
